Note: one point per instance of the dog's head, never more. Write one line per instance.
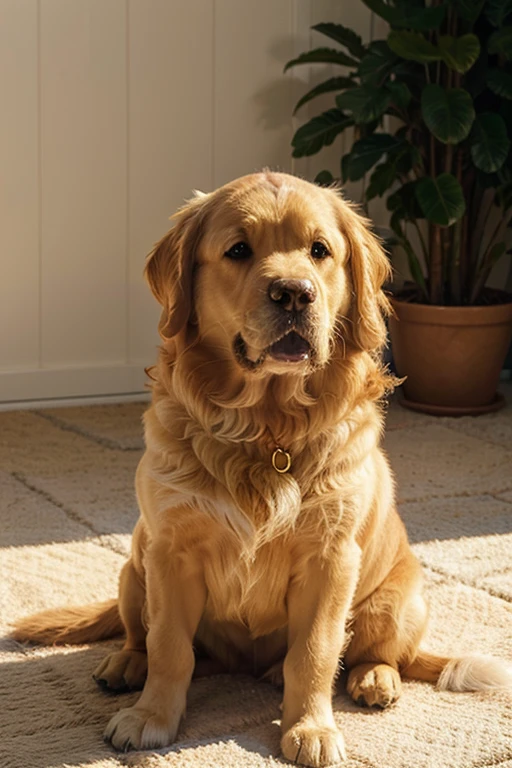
(273, 271)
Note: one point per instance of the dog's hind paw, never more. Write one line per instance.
(374, 685)
(122, 671)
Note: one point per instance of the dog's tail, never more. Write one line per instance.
(468, 673)
(74, 625)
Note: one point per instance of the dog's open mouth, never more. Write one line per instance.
(292, 348)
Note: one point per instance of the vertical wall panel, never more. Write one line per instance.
(170, 139)
(253, 100)
(83, 157)
(19, 179)
(301, 77)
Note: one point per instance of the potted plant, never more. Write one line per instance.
(431, 110)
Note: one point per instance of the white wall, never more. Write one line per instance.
(112, 111)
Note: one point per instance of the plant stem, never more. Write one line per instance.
(464, 258)
(422, 242)
(432, 156)
(455, 277)
(484, 210)
(446, 239)
(467, 183)
(448, 158)
(436, 265)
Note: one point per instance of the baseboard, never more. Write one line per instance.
(37, 388)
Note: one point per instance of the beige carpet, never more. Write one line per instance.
(66, 511)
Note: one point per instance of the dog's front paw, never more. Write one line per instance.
(307, 743)
(137, 728)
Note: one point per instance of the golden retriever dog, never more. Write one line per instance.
(269, 541)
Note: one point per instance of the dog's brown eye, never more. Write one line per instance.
(319, 250)
(239, 251)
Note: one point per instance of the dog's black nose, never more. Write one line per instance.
(292, 294)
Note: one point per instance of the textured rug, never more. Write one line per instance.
(67, 508)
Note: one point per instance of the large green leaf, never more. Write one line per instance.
(324, 178)
(407, 157)
(413, 46)
(501, 42)
(448, 113)
(500, 83)
(377, 64)
(400, 94)
(408, 15)
(404, 200)
(365, 103)
(490, 144)
(366, 152)
(328, 86)
(323, 56)
(441, 199)
(497, 11)
(343, 35)
(417, 18)
(459, 53)
(381, 8)
(381, 180)
(469, 10)
(319, 132)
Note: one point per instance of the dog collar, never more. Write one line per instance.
(281, 460)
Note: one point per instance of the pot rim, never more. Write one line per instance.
(434, 314)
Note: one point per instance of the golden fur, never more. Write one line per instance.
(237, 567)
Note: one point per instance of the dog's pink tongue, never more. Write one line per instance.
(292, 348)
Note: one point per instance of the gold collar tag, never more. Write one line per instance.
(281, 461)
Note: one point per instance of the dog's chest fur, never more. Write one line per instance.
(250, 591)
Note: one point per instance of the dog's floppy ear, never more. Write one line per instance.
(170, 266)
(370, 268)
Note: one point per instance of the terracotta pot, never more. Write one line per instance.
(452, 356)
